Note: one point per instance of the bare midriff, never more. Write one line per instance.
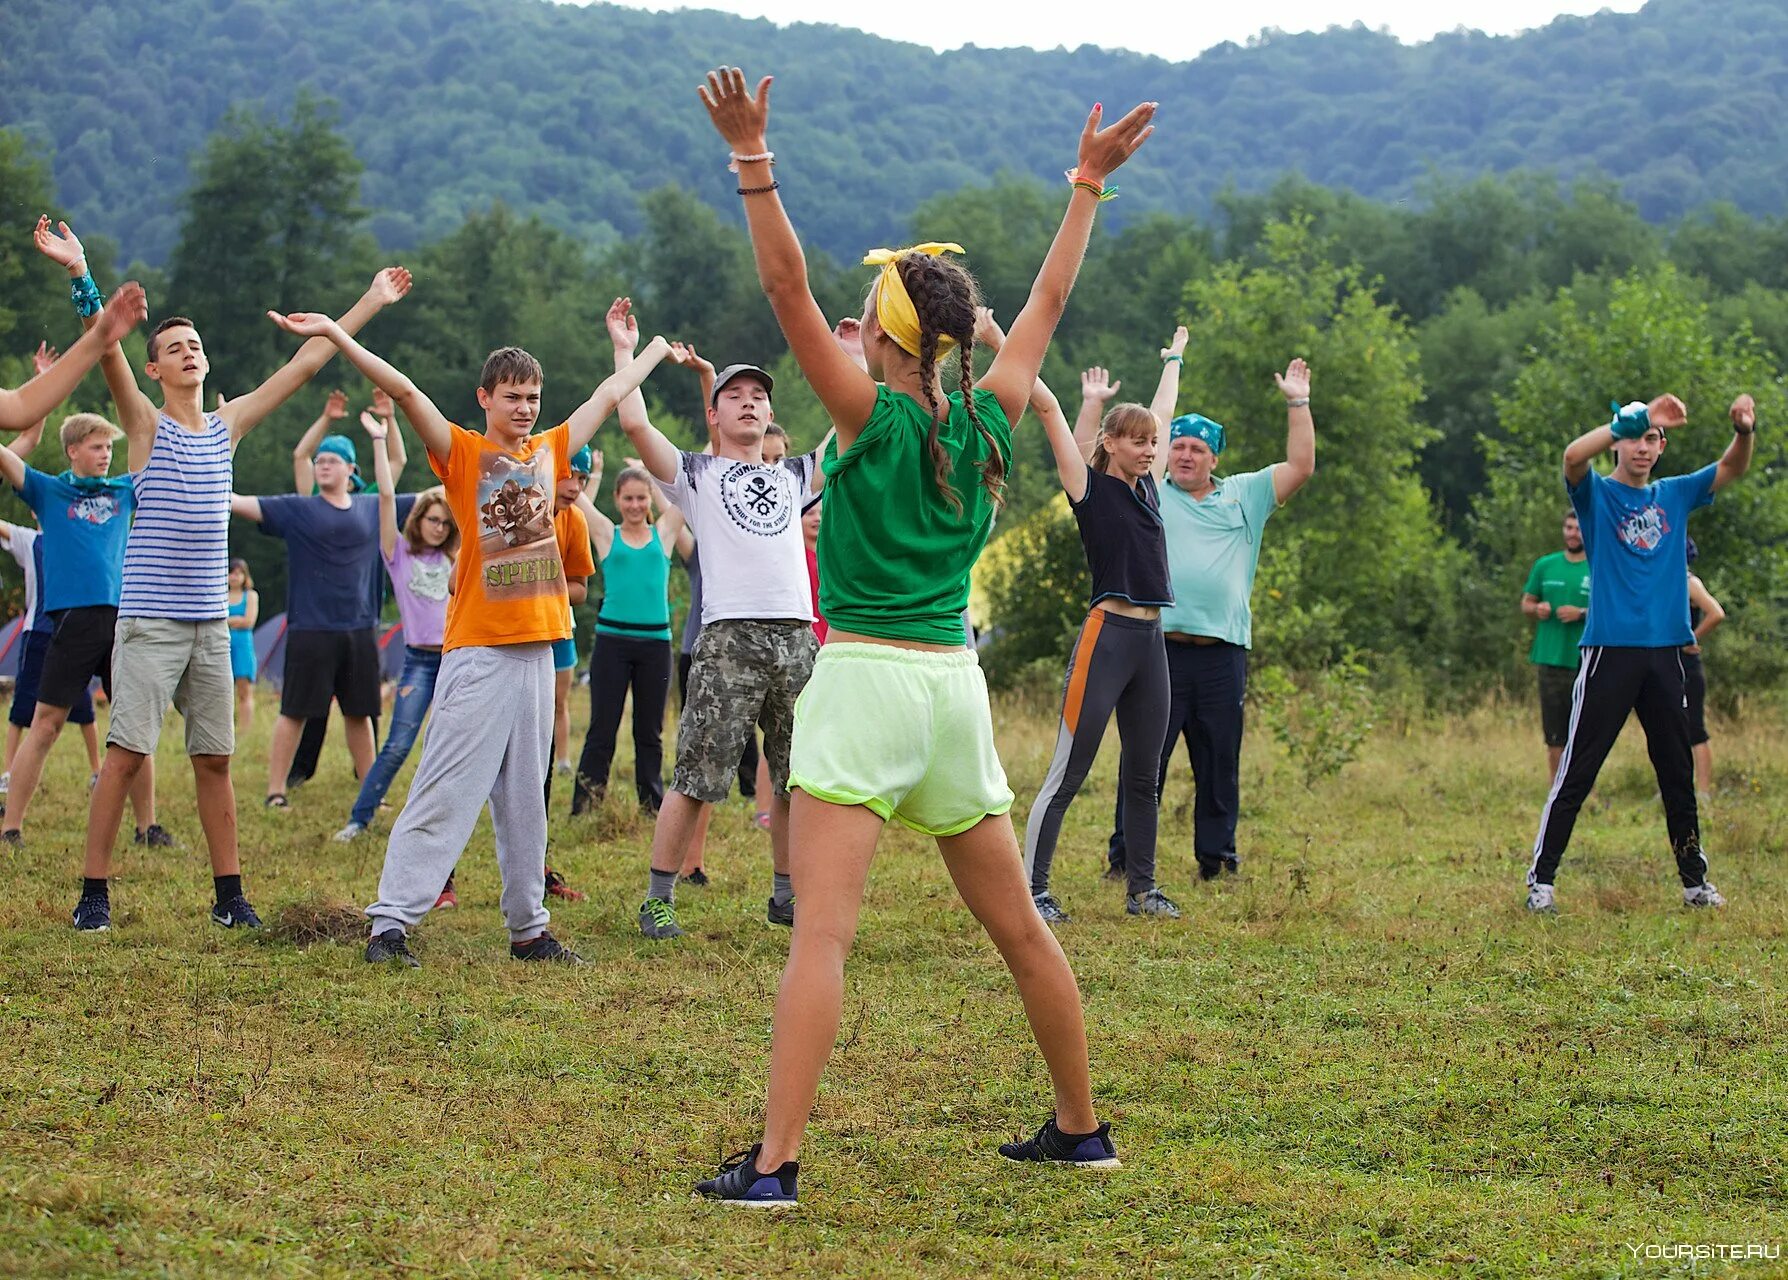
(1124, 609)
(835, 636)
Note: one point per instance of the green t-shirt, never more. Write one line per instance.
(1213, 550)
(1558, 580)
(894, 556)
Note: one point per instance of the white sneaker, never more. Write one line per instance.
(5, 782)
(349, 833)
(92, 781)
(1703, 895)
(564, 766)
(1539, 898)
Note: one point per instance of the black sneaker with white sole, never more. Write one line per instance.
(1051, 1146)
(155, 836)
(391, 945)
(93, 913)
(545, 947)
(740, 1183)
(235, 914)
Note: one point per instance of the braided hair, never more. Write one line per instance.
(945, 297)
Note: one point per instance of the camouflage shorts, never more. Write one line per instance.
(744, 671)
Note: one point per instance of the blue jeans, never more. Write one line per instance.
(415, 690)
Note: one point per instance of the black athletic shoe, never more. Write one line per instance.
(545, 947)
(391, 945)
(235, 914)
(93, 913)
(783, 915)
(740, 1183)
(1050, 909)
(698, 878)
(155, 836)
(14, 839)
(1052, 1146)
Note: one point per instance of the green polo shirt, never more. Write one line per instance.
(1213, 550)
(1556, 580)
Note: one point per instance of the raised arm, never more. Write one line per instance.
(1102, 151)
(387, 483)
(38, 397)
(1167, 398)
(602, 529)
(25, 443)
(246, 507)
(242, 413)
(136, 413)
(1666, 413)
(742, 118)
(612, 390)
(304, 452)
(656, 452)
(1737, 458)
(1096, 391)
(704, 369)
(431, 425)
(12, 469)
(673, 533)
(395, 448)
(1300, 431)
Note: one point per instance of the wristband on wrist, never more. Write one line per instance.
(1098, 191)
(758, 191)
(85, 296)
(734, 159)
(1302, 402)
(1741, 431)
(1180, 359)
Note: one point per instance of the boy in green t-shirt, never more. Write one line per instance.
(1557, 598)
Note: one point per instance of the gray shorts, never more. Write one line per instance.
(744, 671)
(157, 662)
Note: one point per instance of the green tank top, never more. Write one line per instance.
(635, 590)
(894, 558)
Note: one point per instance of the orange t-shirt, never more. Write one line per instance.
(574, 548)
(509, 580)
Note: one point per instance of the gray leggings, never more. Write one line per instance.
(1119, 664)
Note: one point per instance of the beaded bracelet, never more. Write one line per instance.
(85, 296)
(1302, 403)
(758, 191)
(734, 159)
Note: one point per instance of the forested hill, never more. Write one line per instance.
(573, 111)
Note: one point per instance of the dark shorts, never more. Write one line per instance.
(325, 665)
(1556, 684)
(24, 688)
(1694, 687)
(80, 649)
(745, 672)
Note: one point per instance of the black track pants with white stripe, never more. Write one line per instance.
(1611, 682)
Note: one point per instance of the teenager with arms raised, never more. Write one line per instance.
(492, 733)
(896, 722)
(1119, 663)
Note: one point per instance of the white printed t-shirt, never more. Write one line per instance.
(746, 517)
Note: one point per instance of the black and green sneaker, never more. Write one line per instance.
(658, 920)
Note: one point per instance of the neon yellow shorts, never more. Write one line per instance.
(906, 733)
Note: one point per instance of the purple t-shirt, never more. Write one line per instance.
(420, 584)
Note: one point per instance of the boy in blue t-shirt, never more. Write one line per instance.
(1634, 529)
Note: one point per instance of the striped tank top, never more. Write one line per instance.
(177, 562)
(635, 590)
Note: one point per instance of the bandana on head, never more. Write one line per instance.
(893, 307)
(583, 460)
(1196, 424)
(340, 446)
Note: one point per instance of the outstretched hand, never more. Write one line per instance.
(1103, 150)
(43, 358)
(375, 429)
(306, 324)
(381, 403)
(739, 116)
(697, 361)
(1096, 385)
(848, 334)
(390, 285)
(335, 407)
(64, 248)
(987, 330)
(1177, 347)
(128, 308)
(623, 325)
(1744, 413)
(1667, 412)
(680, 353)
(1294, 383)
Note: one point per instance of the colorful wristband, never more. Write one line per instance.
(1181, 359)
(85, 296)
(1098, 192)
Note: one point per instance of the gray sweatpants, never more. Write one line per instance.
(489, 736)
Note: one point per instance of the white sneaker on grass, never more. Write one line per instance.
(350, 833)
(1703, 895)
(1539, 899)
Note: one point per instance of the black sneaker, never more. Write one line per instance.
(13, 839)
(93, 913)
(783, 915)
(235, 914)
(391, 945)
(545, 947)
(698, 878)
(1050, 909)
(1052, 1146)
(740, 1183)
(155, 836)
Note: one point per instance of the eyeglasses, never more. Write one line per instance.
(434, 520)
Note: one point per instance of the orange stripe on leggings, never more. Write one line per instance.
(1083, 659)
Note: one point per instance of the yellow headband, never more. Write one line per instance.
(893, 307)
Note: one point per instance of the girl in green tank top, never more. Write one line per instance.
(895, 721)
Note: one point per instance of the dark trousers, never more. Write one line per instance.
(1611, 682)
(618, 664)
(1206, 684)
(748, 758)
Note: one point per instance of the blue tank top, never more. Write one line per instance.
(635, 590)
(242, 639)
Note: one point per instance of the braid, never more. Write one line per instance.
(993, 471)
(944, 295)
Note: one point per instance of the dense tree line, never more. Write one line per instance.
(1458, 341)
(574, 111)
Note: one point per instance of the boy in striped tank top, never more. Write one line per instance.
(490, 735)
(173, 642)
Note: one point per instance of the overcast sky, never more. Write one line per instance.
(1176, 29)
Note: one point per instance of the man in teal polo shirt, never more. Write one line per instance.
(1214, 527)
(1557, 598)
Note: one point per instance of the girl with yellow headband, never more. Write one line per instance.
(895, 721)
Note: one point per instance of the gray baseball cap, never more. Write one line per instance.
(732, 371)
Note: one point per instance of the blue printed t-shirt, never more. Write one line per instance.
(332, 560)
(1638, 557)
(1213, 550)
(85, 523)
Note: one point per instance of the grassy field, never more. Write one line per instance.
(1362, 1057)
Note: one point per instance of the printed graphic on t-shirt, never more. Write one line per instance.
(760, 499)
(94, 508)
(429, 578)
(1644, 529)
(515, 525)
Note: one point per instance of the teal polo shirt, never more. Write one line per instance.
(1213, 550)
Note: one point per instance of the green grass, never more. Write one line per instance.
(1361, 1058)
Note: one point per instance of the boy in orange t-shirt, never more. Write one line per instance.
(490, 736)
